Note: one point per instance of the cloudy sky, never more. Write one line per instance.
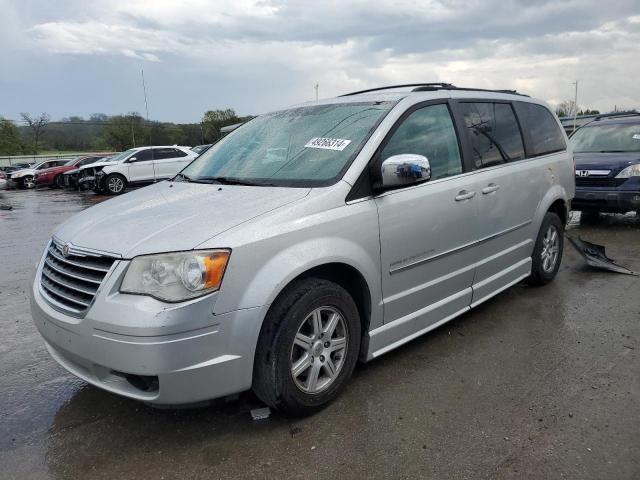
(77, 57)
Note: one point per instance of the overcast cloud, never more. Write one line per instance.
(80, 57)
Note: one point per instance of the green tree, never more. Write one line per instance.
(214, 120)
(125, 131)
(9, 139)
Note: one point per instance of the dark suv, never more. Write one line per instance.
(607, 157)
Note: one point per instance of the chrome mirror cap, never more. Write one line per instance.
(405, 169)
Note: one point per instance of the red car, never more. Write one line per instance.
(52, 177)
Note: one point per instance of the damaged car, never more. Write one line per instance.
(307, 240)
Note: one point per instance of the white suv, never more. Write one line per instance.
(138, 166)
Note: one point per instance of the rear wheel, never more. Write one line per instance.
(114, 184)
(547, 252)
(308, 347)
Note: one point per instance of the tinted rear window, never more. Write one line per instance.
(494, 133)
(545, 135)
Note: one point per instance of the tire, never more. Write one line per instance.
(59, 181)
(28, 182)
(114, 184)
(547, 252)
(288, 338)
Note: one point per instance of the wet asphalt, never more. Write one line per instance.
(536, 383)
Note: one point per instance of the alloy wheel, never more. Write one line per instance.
(319, 350)
(115, 185)
(550, 249)
(28, 182)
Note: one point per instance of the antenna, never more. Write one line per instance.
(316, 87)
(146, 110)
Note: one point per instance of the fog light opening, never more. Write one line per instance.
(146, 383)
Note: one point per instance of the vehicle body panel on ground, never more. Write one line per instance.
(479, 211)
(607, 159)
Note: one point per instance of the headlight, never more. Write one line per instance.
(175, 277)
(630, 171)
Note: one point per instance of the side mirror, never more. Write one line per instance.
(406, 169)
(132, 159)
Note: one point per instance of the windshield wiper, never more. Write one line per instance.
(231, 181)
(612, 151)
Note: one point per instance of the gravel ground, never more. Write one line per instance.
(536, 383)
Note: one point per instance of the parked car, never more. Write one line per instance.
(137, 166)
(607, 157)
(25, 178)
(200, 149)
(52, 176)
(379, 216)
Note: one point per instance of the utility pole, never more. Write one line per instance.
(316, 87)
(575, 104)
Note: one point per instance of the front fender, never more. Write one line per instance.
(259, 271)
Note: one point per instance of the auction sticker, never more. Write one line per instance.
(328, 143)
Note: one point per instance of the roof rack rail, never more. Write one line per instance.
(430, 87)
(389, 87)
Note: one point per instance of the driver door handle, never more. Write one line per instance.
(492, 187)
(464, 195)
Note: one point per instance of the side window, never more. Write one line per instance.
(544, 133)
(428, 131)
(86, 161)
(493, 132)
(143, 155)
(163, 153)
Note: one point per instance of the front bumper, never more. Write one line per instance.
(138, 347)
(605, 200)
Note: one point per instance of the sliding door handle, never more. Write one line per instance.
(464, 195)
(492, 187)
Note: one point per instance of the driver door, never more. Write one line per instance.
(428, 231)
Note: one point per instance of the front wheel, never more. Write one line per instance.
(114, 184)
(308, 347)
(59, 181)
(547, 252)
(28, 182)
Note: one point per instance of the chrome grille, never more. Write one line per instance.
(71, 281)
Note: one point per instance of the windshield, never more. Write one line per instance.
(306, 146)
(119, 156)
(614, 137)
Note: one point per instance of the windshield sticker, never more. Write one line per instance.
(328, 143)
(636, 136)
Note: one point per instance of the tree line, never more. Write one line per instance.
(33, 134)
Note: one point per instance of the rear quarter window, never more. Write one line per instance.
(541, 129)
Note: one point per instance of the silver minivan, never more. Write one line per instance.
(306, 240)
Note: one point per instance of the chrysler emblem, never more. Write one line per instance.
(65, 250)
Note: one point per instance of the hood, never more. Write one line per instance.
(22, 173)
(171, 216)
(614, 162)
(97, 164)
